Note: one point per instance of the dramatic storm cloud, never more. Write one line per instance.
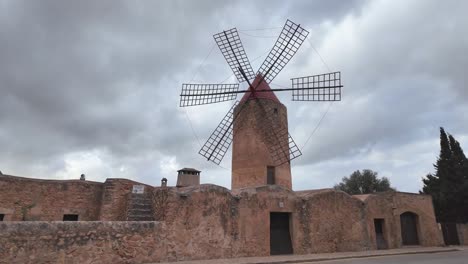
(93, 86)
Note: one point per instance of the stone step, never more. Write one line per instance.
(140, 206)
(133, 211)
(140, 218)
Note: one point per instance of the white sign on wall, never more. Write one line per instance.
(138, 189)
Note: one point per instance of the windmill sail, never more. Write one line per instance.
(200, 94)
(231, 47)
(218, 143)
(289, 41)
(281, 145)
(322, 87)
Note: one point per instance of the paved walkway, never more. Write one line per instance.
(325, 256)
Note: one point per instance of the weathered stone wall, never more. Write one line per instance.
(84, 242)
(48, 200)
(390, 205)
(210, 221)
(253, 142)
(115, 197)
(200, 222)
(463, 234)
(331, 221)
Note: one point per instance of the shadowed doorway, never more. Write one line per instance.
(280, 237)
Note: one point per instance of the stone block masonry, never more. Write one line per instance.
(84, 242)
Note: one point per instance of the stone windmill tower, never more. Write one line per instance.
(257, 125)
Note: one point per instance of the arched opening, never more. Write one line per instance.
(409, 229)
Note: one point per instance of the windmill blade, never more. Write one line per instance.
(231, 47)
(281, 145)
(289, 41)
(322, 87)
(218, 143)
(200, 94)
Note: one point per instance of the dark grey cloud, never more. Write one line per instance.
(93, 86)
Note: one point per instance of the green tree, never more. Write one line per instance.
(364, 182)
(448, 186)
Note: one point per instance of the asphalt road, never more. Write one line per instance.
(454, 257)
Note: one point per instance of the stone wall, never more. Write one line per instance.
(390, 205)
(210, 221)
(199, 222)
(84, 242)
(115, 197)
(463, 233)
(48, 200)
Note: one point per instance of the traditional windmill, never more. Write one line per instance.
(258, 125)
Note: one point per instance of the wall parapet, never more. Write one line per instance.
(83, 242)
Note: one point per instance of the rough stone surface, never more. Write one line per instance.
(48, 200)
(463, 233)
(196, 222)
(83, 242)
(390, 205)
(253, 142)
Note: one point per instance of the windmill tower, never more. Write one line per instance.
(258, 125)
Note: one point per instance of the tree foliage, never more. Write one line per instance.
(448, 186)
(364, 182)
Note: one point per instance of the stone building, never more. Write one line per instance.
(261, 215)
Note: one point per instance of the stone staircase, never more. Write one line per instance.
(140, 208)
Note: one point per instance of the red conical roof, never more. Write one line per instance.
(264, 88)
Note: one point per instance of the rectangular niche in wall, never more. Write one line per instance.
(1, 217)
(70, 217)
(270, 175)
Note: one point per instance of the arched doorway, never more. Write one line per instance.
(409, 228)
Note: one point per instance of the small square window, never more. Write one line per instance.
(70, 217)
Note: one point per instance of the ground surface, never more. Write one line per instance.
(454, 257)
(411, 255)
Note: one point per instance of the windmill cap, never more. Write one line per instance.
(263, 87)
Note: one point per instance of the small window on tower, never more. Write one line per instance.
(270, 175)
(275, 110)
(1, 217)
(70, 217)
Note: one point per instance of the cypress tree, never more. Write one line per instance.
(460, 179)
(448, 186)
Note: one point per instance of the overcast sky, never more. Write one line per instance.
(93, 86)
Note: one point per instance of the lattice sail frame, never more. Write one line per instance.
(200, 94)
(276, 134)
(220, 140)
(289, 41)
(322, 87)
(233, 51)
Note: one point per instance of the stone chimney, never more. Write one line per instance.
(82, 177)
(188, 177)
(164, 182)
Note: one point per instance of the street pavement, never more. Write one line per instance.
(410, 255)
(453, 257)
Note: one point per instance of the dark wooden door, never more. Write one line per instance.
(449, 230)
(409, 229)
(280, 238)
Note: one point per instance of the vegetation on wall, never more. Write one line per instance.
(364, 182)
(448, 186)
